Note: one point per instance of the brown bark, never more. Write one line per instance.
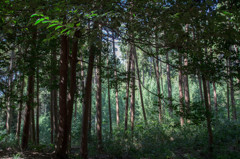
(87, 98)
(127, 86)
(180, 91)
(9, 91)
(51, 113)
(186, 88)
(116, 86)
(30, 94)
(228, 111)
(38, 108)
(140, 88)
(200, 87)
(109, 103)
(133, 89)
(209, 95)
(208, 116)
(62, 146)
(20, 108)
(156, 68)
(169, 84)
(99, 104)
(215, 97)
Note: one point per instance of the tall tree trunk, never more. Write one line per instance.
(9, 103)
(20, 108)
(133, 88)
(215, 97)
(33, 126)
(116, 85)
(62, 146)
(30, 94)
(209, 94)
(186, 88)
(87, 98)
(156, 68)
(51, 112)
(169, 84)
(234, 111)
(99, 104)
(200, 87)
(161, 79)
(73, 86)
(228, 111)
(208, 116)
(38, 108)
(140, 88)
(127, 86)
(180, 91)
(109, 101)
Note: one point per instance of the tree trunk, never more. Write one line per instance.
(186, 88)
(9, 91)
(215, 97)
(200, 87)
(73, 86)
(62, 146)
(156, 68)
(99, 104)
(127, 87)
(30, 94)
(169, 84)
(140, 88)
(20, 108)
(209, 95)
(228, 111)
(38, 108)
(116, 86)
(87, 98)
(109, 102)
(180, 91)
(51, 112)
(133, 88)
(208, 116)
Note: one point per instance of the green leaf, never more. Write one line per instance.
(47, 21)
(51, 25)
(38, 21)
(34, 15)
(64, 30)
(58, 27)
(227, 13)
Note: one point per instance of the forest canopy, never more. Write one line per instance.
(119, 79)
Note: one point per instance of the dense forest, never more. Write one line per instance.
(120, 79)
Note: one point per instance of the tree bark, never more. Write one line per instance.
(30, 94)
(200, 87)
(127, 86)
(62, 146)
(20, 108)
(38, 108)
(208, 116)
(215, 97)
(109, 102)
(186, 88)
(228, 111)
(99, 104)
(133, 88)
(169, 84)
(116, 85)
(87, 98)
(209, 95)
(180, 91)
(140, 88)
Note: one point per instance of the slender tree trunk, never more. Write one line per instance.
(234, 111)
(33, 126)
(62, 146)
(87, 98)
(127, 87)
(73, 86)
(186, 88)
(156, 68)
(20, 108)
(180, 91)
(99, 104)
(215, 97)
(140, 88)
(208, 116)
(200, 87)
(51, 113)
(169, 84)
(9, 103)
(30, 94)
(228, 111)
(209, 95)
(116, 85)
(109, 102)
(38, 108)
(133, 88)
